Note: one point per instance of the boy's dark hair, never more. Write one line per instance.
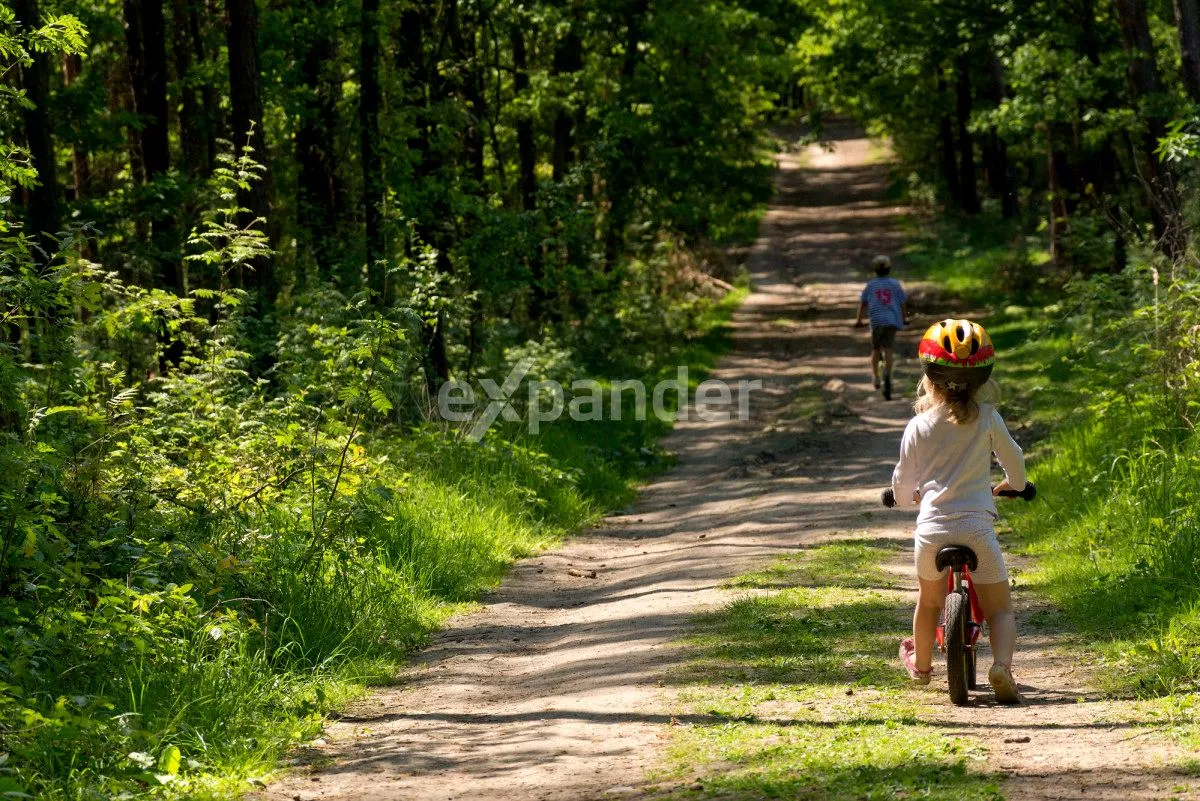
(882, 265)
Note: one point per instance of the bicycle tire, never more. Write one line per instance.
(957, 654)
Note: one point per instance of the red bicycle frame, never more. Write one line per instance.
(975, 625)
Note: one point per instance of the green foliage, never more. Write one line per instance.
(199, 562)
(223, 503)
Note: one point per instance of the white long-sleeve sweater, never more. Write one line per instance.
(950, 464)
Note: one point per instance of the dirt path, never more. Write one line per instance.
(554, 690)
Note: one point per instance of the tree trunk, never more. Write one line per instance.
(946, 142)
(145, 33)
(528, 168)
(208, 93)
(1145, 81)
(966, 144)
(423, 87)
(320, 194)
(245, 96)
(525, 147)
(462, 44)
(568, 61)
(370, 96)
(43, 205)
(81, 170)
(995, 149)
(191, 129)
(622, 173)
(1187, 20)
(1058, 204)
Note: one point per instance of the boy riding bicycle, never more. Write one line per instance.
(883, 301)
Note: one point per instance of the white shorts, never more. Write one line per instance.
(977, 533)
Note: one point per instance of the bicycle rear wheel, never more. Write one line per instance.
(972, 678)
(957, 653)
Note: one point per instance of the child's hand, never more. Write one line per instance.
(916, 496)
(1001, 487)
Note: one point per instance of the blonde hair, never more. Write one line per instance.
(961, 406)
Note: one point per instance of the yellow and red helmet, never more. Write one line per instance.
(957, 354)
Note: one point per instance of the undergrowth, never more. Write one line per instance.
(199, 564)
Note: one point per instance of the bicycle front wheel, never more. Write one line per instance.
(957, 650)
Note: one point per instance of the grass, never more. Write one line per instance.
(792, 692)
(178, 700)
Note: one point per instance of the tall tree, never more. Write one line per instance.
(145, 36)
(246, 115)
(995, 149)
(43, 205)
(470, 87)
(320, 189)
(370, 97)
(527, 157)
(949, 161)
(623, 167)
(1187, 21)
(1145, 83)
(424, 88)
(192, 137)
(81, 169)
(966, 143)
(568, 61)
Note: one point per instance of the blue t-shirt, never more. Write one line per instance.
(883, 297)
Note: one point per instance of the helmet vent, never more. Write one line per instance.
(946, 341)
(974, 346)
(962, 333)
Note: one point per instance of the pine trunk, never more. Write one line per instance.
(1187, 20)
(370, 96)
(1162, 196)
(320, 194)
(527, 157)
(81, 169)
(568, 61)
(191, 129)
(966, 143)
(43, 205)
(246, 112)
(946, 146)
(622, 172)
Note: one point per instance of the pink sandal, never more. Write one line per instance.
(908, 657)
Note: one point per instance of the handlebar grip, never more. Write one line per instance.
(888, 497)
(1028, 494)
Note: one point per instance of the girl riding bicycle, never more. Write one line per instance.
(945, 465)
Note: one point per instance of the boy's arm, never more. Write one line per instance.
(862, 309)
(1009, 454)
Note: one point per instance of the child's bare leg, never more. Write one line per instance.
(888, 357)
(876, 358)
(930, 598)
(996, 600)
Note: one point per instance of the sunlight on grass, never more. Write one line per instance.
(796, 694)
(848, 563)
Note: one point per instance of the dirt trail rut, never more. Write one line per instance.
(554, 691)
